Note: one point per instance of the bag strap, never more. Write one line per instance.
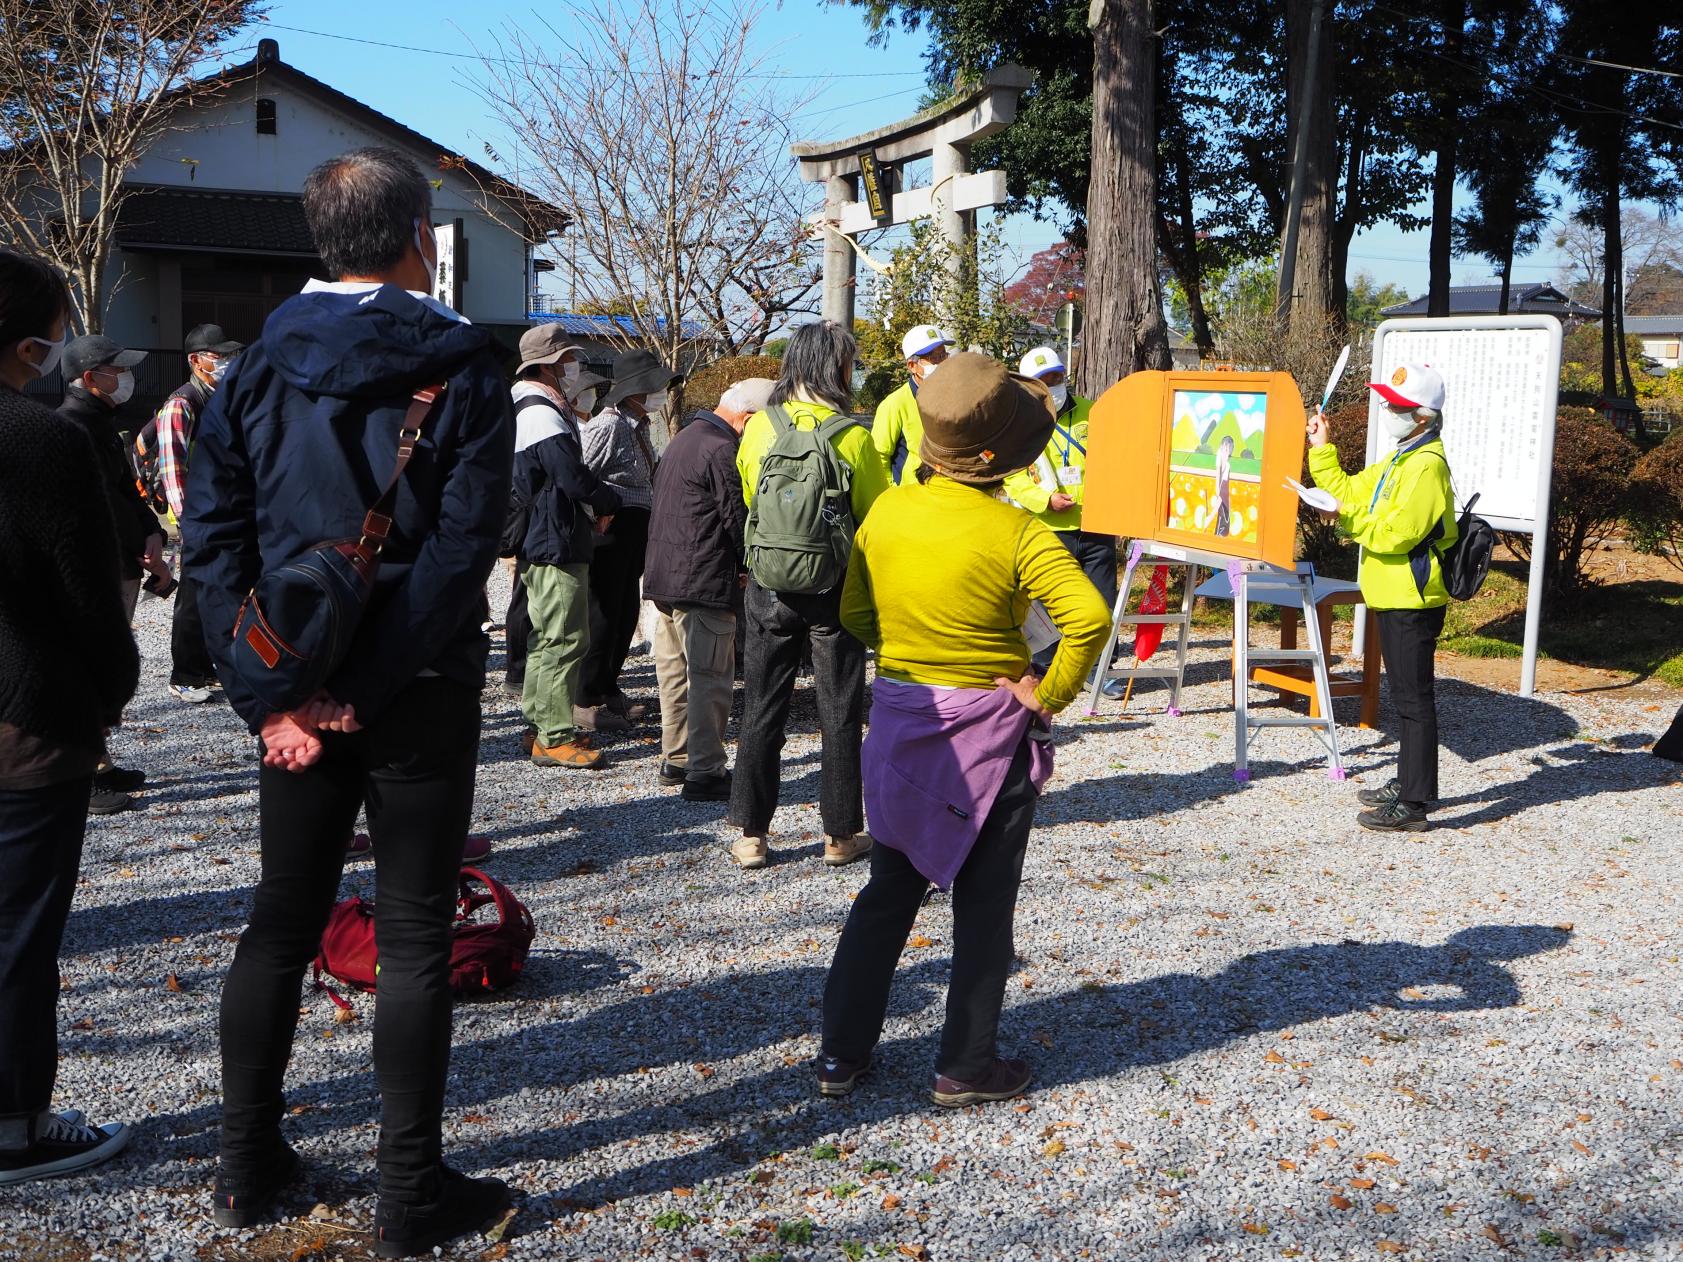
(781, 421)
(377, 521)
(840, 422)
(509, 908)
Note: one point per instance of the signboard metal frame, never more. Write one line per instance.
(1536, 526)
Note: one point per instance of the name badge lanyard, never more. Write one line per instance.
(1067, 444)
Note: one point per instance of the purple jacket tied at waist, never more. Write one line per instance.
(933, 763)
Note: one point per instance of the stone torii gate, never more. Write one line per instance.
(944, 133)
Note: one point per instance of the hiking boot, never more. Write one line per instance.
(599, 719)
(528, 738)
(245, 1202)
(838, 1077)
(463, 1207)
(115, 779)
(840, 851)
(707, 788)
(192, 694)
(669, 775)
(577, 754)
(102, 803)
(1003, 1080)
(1398, 817)
(1384, 795)
(750, 852)
(64, 1143)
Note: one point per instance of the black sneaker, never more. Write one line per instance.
(63, 1144)
(707, 788)
(1384, 795)
(669, 775)
(1002, 1080)
(118, 780)
(838, 1077)
(1398, 817)
(464, 1207)
(108, 803)
(245, 1202)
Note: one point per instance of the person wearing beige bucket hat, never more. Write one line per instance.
(959, 743)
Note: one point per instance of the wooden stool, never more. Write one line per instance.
(1301, 680)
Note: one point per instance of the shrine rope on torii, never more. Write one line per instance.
(861, 177)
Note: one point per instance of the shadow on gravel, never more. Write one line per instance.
(1091, 1033)
(1475, 723)
(1578, 771)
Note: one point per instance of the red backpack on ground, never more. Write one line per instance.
(485, 955)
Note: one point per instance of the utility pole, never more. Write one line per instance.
(1300, 160)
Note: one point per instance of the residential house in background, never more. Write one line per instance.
(1474, 300)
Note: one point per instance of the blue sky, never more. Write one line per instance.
(857, 87)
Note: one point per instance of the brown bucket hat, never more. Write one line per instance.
(545, 344)
(980, 422)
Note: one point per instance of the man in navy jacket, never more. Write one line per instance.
(292, 451)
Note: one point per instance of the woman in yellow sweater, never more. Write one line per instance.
(940, 581)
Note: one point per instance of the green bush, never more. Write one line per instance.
(706, 385)
(1589, 493)
(1654, 522)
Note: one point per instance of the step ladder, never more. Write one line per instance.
(1174, 676)
(1241, 574)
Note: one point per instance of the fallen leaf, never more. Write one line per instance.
(1291, 1253)
(1384, 1207)
(917, 1251)
(172, 983)
(1389, 1246)
(475, 1119)
(1338, 1201)
(344, 1016)
(683, 1191)
(1583, 1148)
(1564, 926)
(891, 1201)
(706, 1071)
(86, 1023)
(1494, 1233)
(917, 940)
(1274, 1058)
(1320, 1115)
(1361, 1185)
(942, 1166)
(1287, 1165)
(1256, 1229)
(1385, 1157)
(1053, 1149)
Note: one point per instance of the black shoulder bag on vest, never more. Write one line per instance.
(1466, 561)
(296, 626)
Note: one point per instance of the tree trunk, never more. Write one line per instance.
(1612, 264)
(1507, 277)
(1313, 290)
(1125, 329)
(1439, 251)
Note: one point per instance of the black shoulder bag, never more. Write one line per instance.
(296, 626)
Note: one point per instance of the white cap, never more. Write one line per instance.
(923, 339)
(1412, 386)
(1040, 361)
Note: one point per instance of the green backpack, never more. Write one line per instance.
(800, 525)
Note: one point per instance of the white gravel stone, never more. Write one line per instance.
(1257, 1031)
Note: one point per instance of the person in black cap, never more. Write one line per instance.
(209, 352)
(618, 450)
(99, 379)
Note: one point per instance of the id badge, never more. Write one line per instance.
(1069, 476)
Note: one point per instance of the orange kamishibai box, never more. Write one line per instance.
(1198, 460)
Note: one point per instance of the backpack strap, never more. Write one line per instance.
(781, 421)
(837, 425)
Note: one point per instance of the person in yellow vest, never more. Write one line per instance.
(897, 430)
(1402, 512)
(1054, 488)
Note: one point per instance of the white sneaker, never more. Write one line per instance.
(192, 694)
(750, 852)
(64, 1144)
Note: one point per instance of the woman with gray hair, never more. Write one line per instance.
(812, 397)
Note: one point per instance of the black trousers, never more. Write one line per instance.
(984, 906)
(778, 629)
(1096, 555)
(616, 578)
(1408, 639)
(41, 834)
(189, 658)
(414, 766)
(517, 629)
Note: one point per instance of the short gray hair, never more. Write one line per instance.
(818, 363)
(750, 395)
(362, 209)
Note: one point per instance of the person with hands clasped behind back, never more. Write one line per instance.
(959, 745)
(1402, 513)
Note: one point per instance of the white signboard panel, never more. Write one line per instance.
(1501, 375)
(448, 288)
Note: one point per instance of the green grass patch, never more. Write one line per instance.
(795, 1231)
(826, 1152)
(673, 1220)
(877, 1166)
(841, 1191)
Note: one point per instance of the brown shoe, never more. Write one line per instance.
(625, 707)
(1003, 1080)
(528, 738)
(750, 852)
(577, 754)
(840, 851)
(599, 719)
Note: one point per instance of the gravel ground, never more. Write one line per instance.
(1257, 1031)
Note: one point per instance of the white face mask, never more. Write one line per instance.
(586, 401)
(928, 371)
(570, 370)
(216, 369)
(1059, 395)
(54, 351)
(1399, 425)
(656, 402)
(430, 264)
(124, 390)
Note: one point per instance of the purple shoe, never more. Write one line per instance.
(838, 1077)
(1003, 1080)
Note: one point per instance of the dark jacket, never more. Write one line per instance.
(67, 661)
(554, 485)
(695, 529)
(298, 443)
(135, 522)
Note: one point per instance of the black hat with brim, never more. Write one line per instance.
(639, 372)
(95, 350)
(210, 337)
